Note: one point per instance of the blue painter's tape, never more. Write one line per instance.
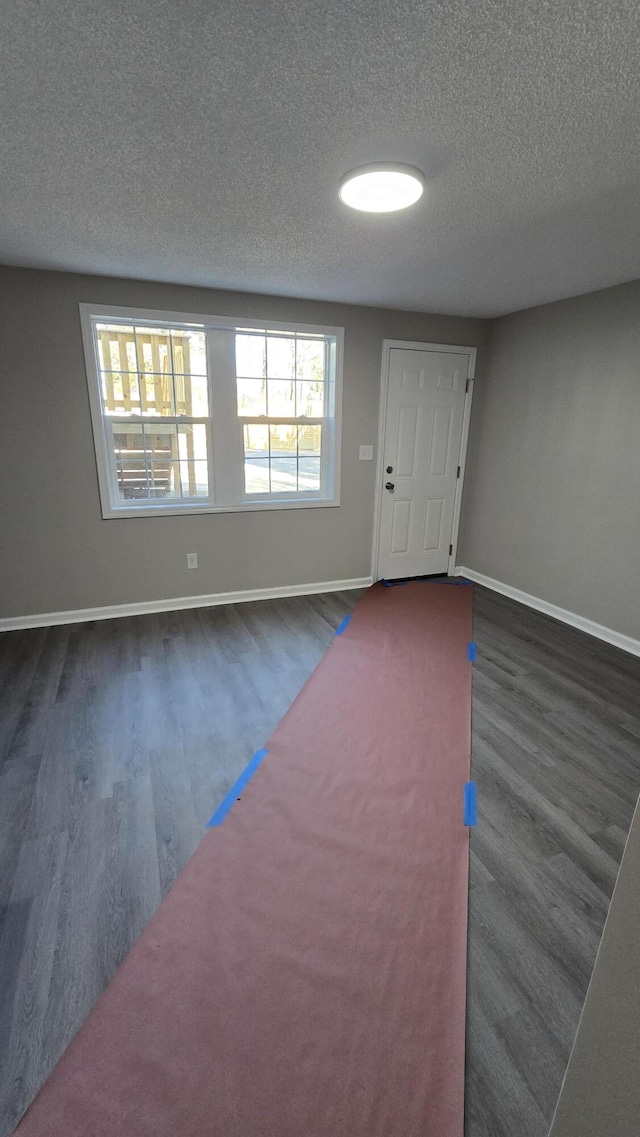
(235, 791)
(471, 651)
(392, 583)
(470, 804)
(342, 625)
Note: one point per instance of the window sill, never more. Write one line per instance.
(238, 507)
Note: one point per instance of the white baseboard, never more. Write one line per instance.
(616, 639)
(176, 603)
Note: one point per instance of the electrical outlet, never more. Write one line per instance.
(366, 453)
(192, 560)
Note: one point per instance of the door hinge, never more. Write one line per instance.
(458, 474)
(466, 388)
(450, 549)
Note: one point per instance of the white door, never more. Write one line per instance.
(425, 414)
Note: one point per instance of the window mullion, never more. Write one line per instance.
(227, 454)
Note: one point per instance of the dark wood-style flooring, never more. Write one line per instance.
(119, 738)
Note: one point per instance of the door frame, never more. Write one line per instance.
(387, 345)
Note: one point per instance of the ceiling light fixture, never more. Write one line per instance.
(382, 187)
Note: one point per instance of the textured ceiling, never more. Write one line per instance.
(203, 143)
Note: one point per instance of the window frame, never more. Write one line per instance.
(227, 442)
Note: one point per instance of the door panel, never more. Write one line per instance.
(408, 422)
(400, 527)
(433, 524)
(441, 441)
(425, 414)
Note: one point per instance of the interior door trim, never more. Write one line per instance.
(387, 346)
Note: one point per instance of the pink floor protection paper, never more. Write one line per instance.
(306, 975)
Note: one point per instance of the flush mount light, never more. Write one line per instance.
(382, 187)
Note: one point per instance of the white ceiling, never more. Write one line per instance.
(203, 143)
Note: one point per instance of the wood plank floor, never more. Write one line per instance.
(119, 738)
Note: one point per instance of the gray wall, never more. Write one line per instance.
(552, 494)
(58, 553)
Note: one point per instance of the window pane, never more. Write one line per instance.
(154, 350)
(256, 475)
(284, 475)
(164, 479)
(250, 356)
(157, 395)
(155, 354)
(288, 452)
(128, 442)
(309, 439)
(309, 474)
(189, 352)
(195, 479)
(103, 340)
(132, 479)
(283, 439)
(192, 395)
(252, 397)
(120, 392)
(310, 360)
(281, 396)
(281, 357)
(194, 468)
(161, 475)
(256, 441)
(161, 442)
(120, 443)
(311, 399)
(116, 347)
(192, 442)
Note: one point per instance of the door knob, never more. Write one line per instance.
(389, 486)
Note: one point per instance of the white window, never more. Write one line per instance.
(199, 414)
